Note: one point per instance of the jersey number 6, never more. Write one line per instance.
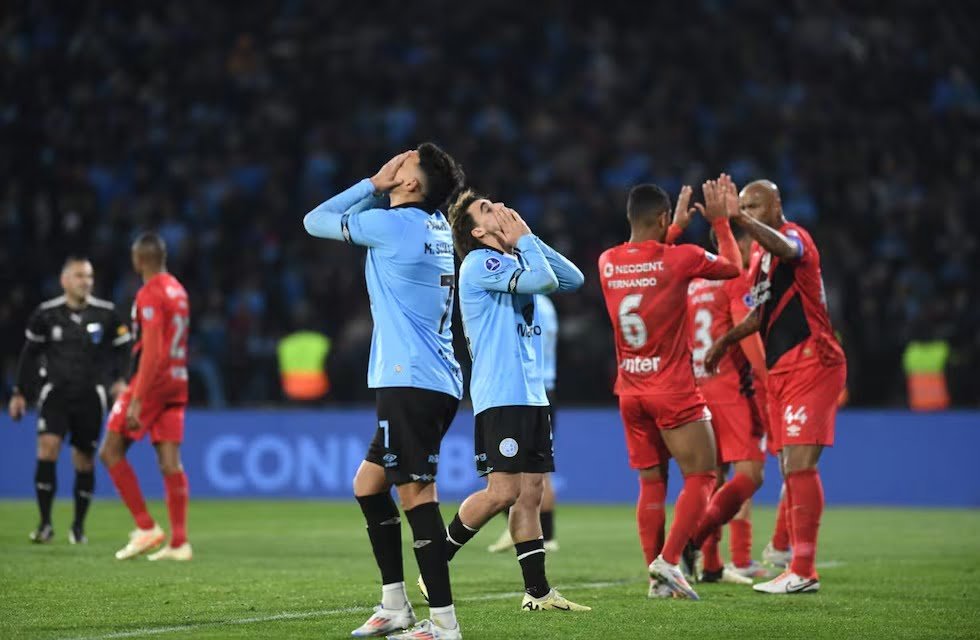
(631, 324)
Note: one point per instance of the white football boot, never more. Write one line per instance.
(385, 621)
(428, 630)
(554, 601)
(183, 553)
(775, 557)
(674, 578)
(788, 583)
(503, 543)
(141, 541)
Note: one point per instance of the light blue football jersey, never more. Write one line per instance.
(496, 297)
(547, 342)
(411, 281)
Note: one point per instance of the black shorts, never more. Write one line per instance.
(551, 410)
(411, 424)
(515, 439)
(80, 414)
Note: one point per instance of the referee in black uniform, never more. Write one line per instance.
(77, 348)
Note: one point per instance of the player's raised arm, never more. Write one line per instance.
(570, 277)
(761, 198)
(682, 215)
(351, 215)
(707, 265)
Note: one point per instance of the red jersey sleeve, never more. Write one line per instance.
(704, 264)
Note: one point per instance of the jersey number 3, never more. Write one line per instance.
(630, 323)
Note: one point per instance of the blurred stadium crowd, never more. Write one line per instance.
(220, 124)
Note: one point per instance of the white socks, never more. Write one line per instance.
(393, 596)
(444, 617)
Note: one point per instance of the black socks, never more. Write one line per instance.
(531, 556)
(457, 534)
(430, 552)
(84, 487)
(45, 486)
(385, 531)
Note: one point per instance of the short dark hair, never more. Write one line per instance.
(462, 223)
(151, 245)
(646, 202)
(73, 258)
(444, 178)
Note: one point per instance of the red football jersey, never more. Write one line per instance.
(795, 325)
(712, 306)
(645, 286)
(162, 302)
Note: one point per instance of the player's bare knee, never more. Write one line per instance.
(83, 461)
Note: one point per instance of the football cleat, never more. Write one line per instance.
(141, 541)
(182, 553)
(384, 621)
(554, 601)
(422, 588)
(776, 557)
(753, 570)
(42, 535)
(551, 545)
(76, 535)
(725, 575)
(690, 558)
(788, 583)
(428, 630)
(503, 543)
(659, 590)
(673, 577)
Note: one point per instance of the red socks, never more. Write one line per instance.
(129, 490)
(688, 512)
(177, 497)
(780, 537)
(740, 543)
(711, 552)
(724, 505)
(650, 516)
(806, 507)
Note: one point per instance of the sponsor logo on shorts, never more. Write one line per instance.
(508, 447)
(42, 425)
(492, 264)
(424, 477)
(434, 458)
(480, 457)
(390, 460)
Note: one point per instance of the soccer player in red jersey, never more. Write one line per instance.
(645, 284)
(807, 367)
(714, 307)
(154, 403)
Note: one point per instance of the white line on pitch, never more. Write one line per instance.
(153, 631)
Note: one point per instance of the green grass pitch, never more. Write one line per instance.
(304, 570)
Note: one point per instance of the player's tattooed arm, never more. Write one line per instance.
(749, 325)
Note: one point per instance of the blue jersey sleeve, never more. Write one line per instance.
(353, 216)
(507, 276)
(569, 276)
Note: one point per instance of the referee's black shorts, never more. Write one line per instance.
(411, 425)
(78, 413)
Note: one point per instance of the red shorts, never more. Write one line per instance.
(803, 405)
(164, 422)
(739, 428)
(645, 416)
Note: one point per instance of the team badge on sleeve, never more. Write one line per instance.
(710, 256)
(492, 264)
(147, 313)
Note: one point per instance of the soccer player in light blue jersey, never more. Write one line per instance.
(504, 266)
(546, 348)
(411, 281)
